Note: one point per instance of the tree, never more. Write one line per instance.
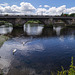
(72, 15)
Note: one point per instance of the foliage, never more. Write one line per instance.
(71, 15)
(48, 26)
(3, 39)
(33, 21)
(6, 15)
(3, 22)
(1, 72)
(64, 14)
(71, 71)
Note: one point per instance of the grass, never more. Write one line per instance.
(3, 39)
(32, 21)
(7, 24)
(1, 72)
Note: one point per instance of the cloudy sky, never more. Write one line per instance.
(37, 7)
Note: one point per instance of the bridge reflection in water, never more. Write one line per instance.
(32, 29)
(47, 51)
(36, 30)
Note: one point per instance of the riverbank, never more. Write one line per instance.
(3, 38)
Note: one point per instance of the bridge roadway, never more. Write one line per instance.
(36, 16)
(45, 19)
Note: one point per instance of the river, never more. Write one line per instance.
(44, 50)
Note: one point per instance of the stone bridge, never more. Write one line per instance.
(46, 20)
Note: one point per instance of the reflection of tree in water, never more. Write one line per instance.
(17, 32)
(48, 32)
(67, 31)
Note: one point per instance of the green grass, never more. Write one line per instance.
(1, 72)
(3, 39)
(32, 21)
(5, 23)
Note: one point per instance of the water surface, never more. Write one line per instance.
(45, 50)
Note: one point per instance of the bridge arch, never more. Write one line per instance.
(33, 21)
(46, 20)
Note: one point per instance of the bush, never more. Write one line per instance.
(71, 71)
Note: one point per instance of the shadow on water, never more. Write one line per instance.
(48, 32)
(35, 31)
(47, 50)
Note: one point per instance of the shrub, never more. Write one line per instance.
(71, 71)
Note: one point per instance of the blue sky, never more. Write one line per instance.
(30, 7)
(36, 3)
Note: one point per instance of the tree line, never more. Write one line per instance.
(71, 15)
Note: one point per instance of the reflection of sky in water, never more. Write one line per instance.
(48, 47)
(6, 51)
(53, 52)
(61, 38)
(57, 29)
(72, 37)
(5, 30)
(33, 30)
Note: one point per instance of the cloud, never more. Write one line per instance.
(61, 9)
(70, 10)
(26, 8)
(52, 11)
(5, 4)
(40, 5)
(46, 6)
(15, 9)
(41, 11)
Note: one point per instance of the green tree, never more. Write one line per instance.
(72, 15)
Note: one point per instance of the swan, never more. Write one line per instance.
(26, 41)
(23, 43)
(14, 51)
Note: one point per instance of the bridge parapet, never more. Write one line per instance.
(36, 16)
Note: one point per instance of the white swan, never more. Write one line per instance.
(26, 41)
(23, 43)
(14, 51)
